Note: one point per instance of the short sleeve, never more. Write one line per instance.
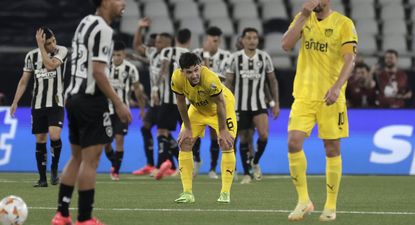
(177, 83)
(269, 67)
(213, 85)
(294, 20)
(134, 76)
(102, 46)
(231, 64)
(28, 63)
(349, 34)
(61, 54)
(165, 54)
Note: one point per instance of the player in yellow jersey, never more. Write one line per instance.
(212, 104)
(326, 59)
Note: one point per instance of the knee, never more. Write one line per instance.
(332, 148)
(263, 135)
(294, 145)
(244, 136)
(186, 146)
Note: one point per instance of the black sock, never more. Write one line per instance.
(214, 154)
(260, 144)
(85, 204)
(64, 199)
(118, 156)
(163, 151)
(196, 150)
(245, 157)
(55, 148)
(41, 157)
(110, 155)
(174, 151)
(148, 145)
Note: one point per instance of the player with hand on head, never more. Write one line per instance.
(326, 59)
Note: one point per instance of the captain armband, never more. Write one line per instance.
(349, 47)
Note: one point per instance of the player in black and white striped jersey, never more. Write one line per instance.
(123, 76)
(250, 70)
(87, 109)
(163, 40)
(168, 115)
(47, 66)
(217, 60)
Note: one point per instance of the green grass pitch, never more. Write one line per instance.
(363, 200)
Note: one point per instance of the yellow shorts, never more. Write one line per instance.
(331, 120)
(199, 121)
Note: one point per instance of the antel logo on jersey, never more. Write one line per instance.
(250, 74)
(6, 135)
(316, 45)
(394, 144)
(44, 74)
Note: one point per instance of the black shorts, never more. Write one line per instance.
(44, 118)
(88, 120)
(151, 115)
(118, 126)
(246, 118)
(168, 116)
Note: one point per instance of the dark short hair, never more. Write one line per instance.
(189, 59)
(96, 3)
(249, 29)
(214, 31)
(166, 35)
(362, 66)
(48, 32)
(119, 46)
(183, 35)
(392, 51)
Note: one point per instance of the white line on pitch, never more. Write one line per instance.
(230, 210)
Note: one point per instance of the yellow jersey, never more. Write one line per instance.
(199, 95)
(320, 59)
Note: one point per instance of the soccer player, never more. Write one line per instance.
(217, 60)
(168, 115)
(212, 104)
(47, 66)
(123, 75)
(328, 47)
(87, 108)
(162, 40)
(250, 71)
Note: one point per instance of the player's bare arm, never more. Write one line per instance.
(137, 43)
(102, 81)
(225, 138)
(333, 93)
(273, 82)
(163, 73)
(229, 81)
(139, 95)
(21, 88)
(185, 138)
(50, 63)
(293, 34)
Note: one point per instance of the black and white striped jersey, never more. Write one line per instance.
(48, 85)
(250, 78)
(155, 64)
(218, 62)
(121, 78)
(92, 42)
(171, 54)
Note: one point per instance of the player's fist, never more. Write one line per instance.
(309, 6)
(144, 22)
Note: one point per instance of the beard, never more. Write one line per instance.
(390, 65)
(318, 8)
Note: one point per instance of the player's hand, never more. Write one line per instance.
(40, 38)
(225, 140)
(155, 97)
(332, 95)
(185, 138)
(275, 111)
(144, 22)
(13, 108)
(309, 6)
(123, 113)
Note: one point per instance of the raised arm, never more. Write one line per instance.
(293, 33)
(137, 43)
(50, 63)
